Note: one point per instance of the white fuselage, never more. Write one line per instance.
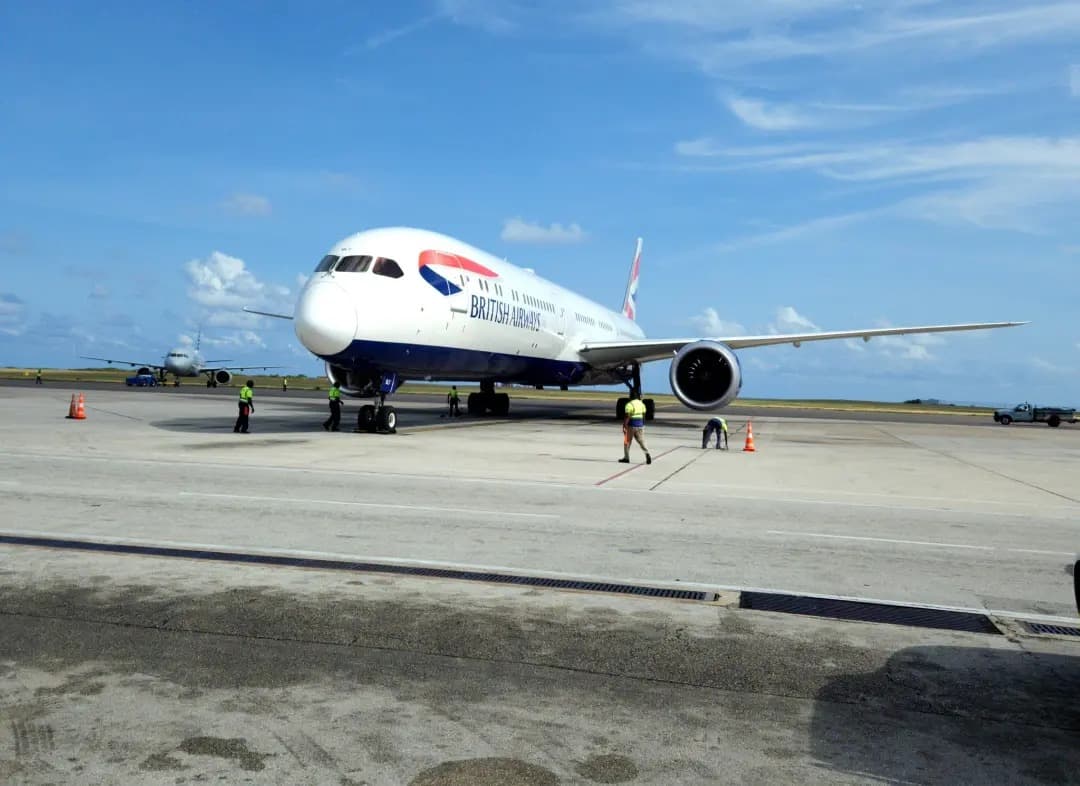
(183, 362)
(423, 305)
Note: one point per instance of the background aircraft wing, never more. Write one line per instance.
(133, 363)
(208, 370)
(611, 353)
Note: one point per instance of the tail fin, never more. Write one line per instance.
(629, 307)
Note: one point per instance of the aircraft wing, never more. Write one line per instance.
(133, 363)
(209, 370)
(267, 314)
(613, 353)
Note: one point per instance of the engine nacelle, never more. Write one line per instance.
(222, 377)
(350, 383)
(705, 375)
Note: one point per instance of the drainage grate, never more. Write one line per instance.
(1053, 630)
(862, 611)
(361, 567)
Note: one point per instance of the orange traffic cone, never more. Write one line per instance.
(80, 408)
(749, 447)
(71, 408)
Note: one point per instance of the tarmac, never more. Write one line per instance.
(158, 634)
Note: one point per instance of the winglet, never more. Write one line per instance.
(629, 308)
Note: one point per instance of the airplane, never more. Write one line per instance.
(185, 362)
(397, 303)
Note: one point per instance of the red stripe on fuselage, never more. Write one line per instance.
(431, 257)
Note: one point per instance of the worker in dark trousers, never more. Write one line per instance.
(247, 406)
(634, 427)
(716, 426)
(453, 401)
(37, 379)
(333, 422)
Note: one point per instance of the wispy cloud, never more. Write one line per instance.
(517, 230)
(99, 292)
(1074, 81)
(709, 323)
(384, 37)
(788, 320)
(769, 117)
(252, 205)
(12, 314)
(491, 16)
(15, 243)
(784, 234)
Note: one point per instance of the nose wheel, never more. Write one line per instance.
(377, 418)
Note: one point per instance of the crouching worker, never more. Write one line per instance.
(716, 426)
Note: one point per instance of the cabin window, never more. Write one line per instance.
(353, 265)
(387, 267)
(326, 263)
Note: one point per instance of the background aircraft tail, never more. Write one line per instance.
(629, 307)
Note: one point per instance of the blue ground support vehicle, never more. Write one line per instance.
(141, 381)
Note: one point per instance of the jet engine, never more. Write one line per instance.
(222, 377)
(144, 371)
(705, 375)
(352, 384)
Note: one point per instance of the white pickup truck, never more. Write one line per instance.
(1026, 413)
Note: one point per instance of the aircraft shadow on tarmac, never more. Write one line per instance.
(308, 422)
(1014, 710)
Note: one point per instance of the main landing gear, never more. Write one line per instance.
(634, 383)
(377, 418)
(487, 400)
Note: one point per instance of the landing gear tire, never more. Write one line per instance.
(365, 418)
(386, 420)
(650, 408)
(474, 404)
(500, 404)
(620, 408)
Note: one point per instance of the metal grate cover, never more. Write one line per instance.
(362, 567)
(1053, 630)
(863, 611)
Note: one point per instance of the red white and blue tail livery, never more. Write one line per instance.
(629, 307)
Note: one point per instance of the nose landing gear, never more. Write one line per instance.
(377, 418)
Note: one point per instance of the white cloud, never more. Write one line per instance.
(517, 230)
(99, 292)
(247, 205)
(1047, 367)
(17, 244)
(788, 320)
(12, 315)
(793, 231)
(770, 117)
(491, 16)
(223, 286)
(392, 34)
(708, 323)
(1074, 81)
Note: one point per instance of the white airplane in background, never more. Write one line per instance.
(185, 362)
(392, 304)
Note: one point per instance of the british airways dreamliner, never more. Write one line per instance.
(397, 303)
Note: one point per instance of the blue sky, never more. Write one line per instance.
(791, 164)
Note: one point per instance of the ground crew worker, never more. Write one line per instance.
(716, 426)
(452, 401)
(333, 422)
(37, 379)
(634, 427)
(247, 406)
(284, 385)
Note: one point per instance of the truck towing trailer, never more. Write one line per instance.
(1026, 413)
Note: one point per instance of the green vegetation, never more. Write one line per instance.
(301, 382)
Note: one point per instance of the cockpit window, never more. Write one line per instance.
(387, 267)
(353, 265)
(326, 263)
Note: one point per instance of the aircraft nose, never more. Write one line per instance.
(325, 319)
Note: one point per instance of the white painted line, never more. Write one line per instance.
(881, 540)
(1040, 551)
(388, 506)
